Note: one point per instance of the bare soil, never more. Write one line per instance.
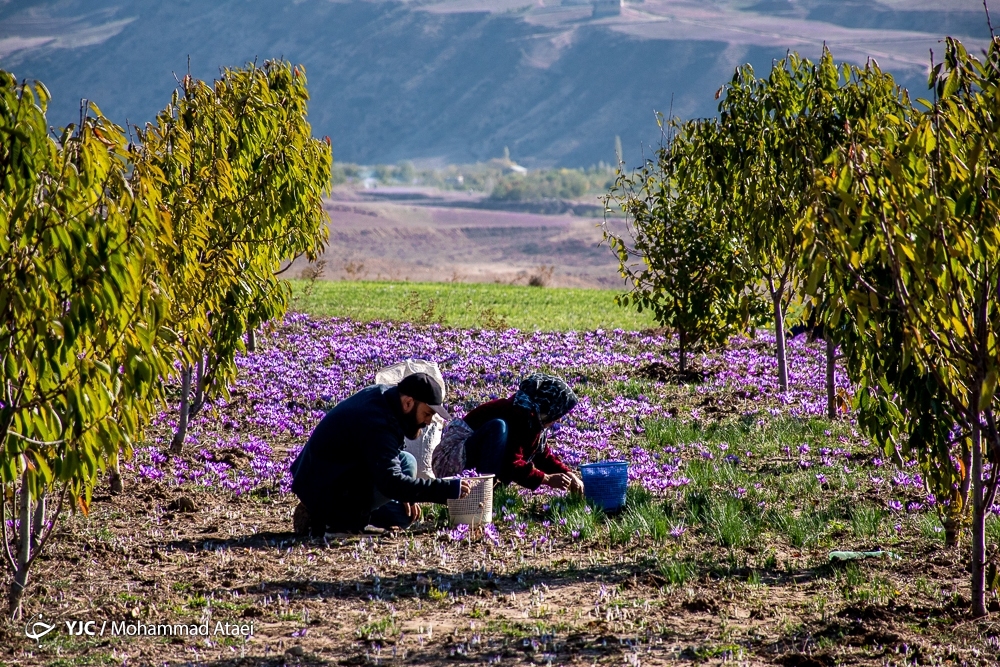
(416, 597)
(429, 235)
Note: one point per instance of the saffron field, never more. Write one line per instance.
(738, 495)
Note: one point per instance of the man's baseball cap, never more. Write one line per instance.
(422, 387)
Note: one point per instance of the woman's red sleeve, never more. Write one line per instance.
(524, 472)
(549, 463)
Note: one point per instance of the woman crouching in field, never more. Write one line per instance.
(506, 437)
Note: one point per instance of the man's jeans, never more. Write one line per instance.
(386, 512)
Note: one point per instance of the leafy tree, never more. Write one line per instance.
(861, 94)
(243, 181)
(82, 342)
(916, 206)
(406, 172)
(676, 251)
(897, 405)
(778, 131)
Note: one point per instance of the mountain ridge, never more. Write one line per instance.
(457, 81)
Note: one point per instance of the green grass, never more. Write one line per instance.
(867, 520)
(580, 518)
(643, 516)
(930, 528)
(727, 522)
(677, 572)
(481, 305)
(992, 530)
(380, 628)
(860, 586)
(741, 435)
(802, 530)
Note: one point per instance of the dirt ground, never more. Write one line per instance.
(158, 556)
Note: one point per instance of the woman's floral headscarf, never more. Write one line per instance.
(548, 396)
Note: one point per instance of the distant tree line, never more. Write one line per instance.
(494, 177)
(823, 187)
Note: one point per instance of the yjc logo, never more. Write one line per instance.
(37, 628)
(82, 628)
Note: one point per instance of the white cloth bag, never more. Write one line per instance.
(423, 446)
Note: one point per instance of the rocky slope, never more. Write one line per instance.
(456, 81)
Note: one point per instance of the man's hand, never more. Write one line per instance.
(558, 481)
(413, 512)
(466, 489)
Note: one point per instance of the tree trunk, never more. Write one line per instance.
(182, 420)
(963, 489)
(959, 500)
(251, 340)
(24, 522)
(831, 380)
(115, 481)
(23, 554)
(199, 389)
(952, 524)
(682, 351)
(17, 586)
(37, 523)
(779, 339)
(978, 521)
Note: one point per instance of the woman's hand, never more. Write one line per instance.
(559, 480)
(466, 489)
(565, 481)
(576, 484)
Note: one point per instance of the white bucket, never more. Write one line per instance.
(476, 508)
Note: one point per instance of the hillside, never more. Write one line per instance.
(457, 81)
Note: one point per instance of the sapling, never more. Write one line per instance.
(82, 340)
(908, 245)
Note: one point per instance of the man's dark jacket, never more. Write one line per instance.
(354, 450)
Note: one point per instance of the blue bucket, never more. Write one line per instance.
(605, 483)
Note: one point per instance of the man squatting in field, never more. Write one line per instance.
(353, 471)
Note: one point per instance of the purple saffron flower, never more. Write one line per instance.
(460, 532)
(492, 534)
